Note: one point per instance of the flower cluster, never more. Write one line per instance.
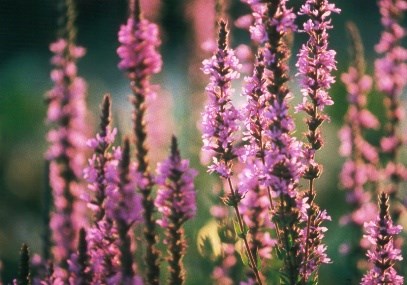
(176, 194)
(140, 59)
(360, 167)
(138, 50)
(391, 74)
(315, 64)
(219, 120)
(383, 254)
(176, 201)
(66, 112)
(102, 235)
(277, 225)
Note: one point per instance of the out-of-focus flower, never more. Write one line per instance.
(66, 113)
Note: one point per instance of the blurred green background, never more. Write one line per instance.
(26, 29)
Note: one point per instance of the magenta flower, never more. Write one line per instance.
(255, 208)
(176, 195)
(123, 206)
(360, 167)
(176, 201)
(391, 69)
(219, 120)
(315, 64)
(102, 235)
(311, 247)
(139, 42)
(253, 114)
(257, 18)
(391, 75)
(66, 113)
(140, 59)
(383, 255)
(360, 170)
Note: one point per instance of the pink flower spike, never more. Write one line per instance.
(176, 201)
(219, 122)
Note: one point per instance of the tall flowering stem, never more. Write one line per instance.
(176, 201)
(360, 167)
(139, 58)
(391, 74)
(315, 64)
(219, 125)
(126, 210)
(256, 204)
(255, 209)
(66, 112)
(102, 235)
(282, 165)
(383, 254)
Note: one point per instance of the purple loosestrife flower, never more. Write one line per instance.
(270, 131)
(360, 168)
(383, 255)
(66, 111)
(139, 58)
(219, 125)
(123, 206)
(253, 115)
(282, 164)
(315, 64)
(257, 28)
(391, 74)
(102, 235)
(312, 235)
(219, 120)
(139, 41)
(176, 201)
(255, 208)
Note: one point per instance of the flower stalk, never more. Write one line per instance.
(139, 58)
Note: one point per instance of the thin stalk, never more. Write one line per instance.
(310, 195)
(242, 227)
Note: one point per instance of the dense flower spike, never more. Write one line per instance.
(123, 206)
(255, 208)
(311, 247)
(138, 51)
(102, 235)
(315, 64)
(383, 254)
(219, 122)
(253, 113)
(140, 59)
(281, 155)
(176, 201)
(66, 112)
(391, 75)
(360, 168)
